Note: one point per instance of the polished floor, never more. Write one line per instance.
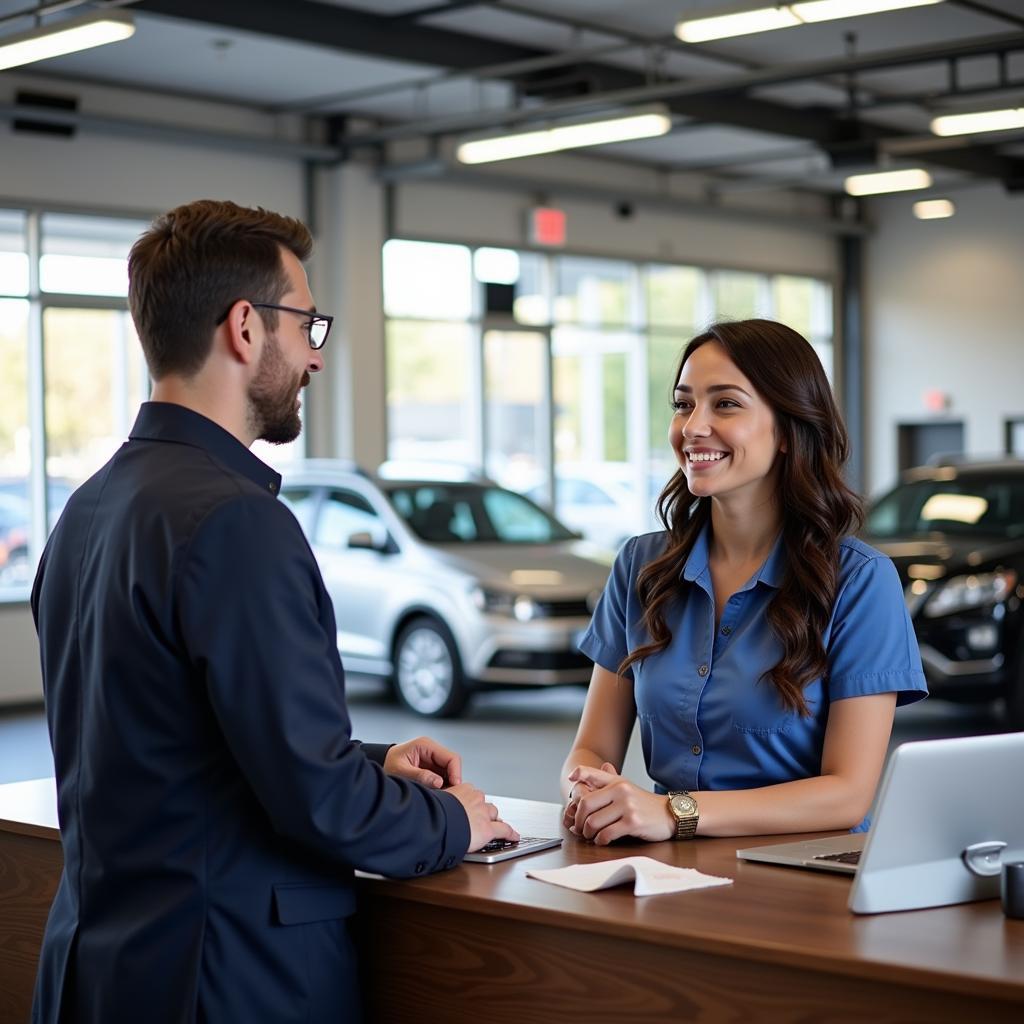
(511, 743)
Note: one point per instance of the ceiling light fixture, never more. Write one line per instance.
(933, 209)
(774, 16)
(642, 123)
(979, 121)
(62, 37)
(879, 182)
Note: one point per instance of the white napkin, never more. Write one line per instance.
(650, 877)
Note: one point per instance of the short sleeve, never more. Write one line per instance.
(605, 641)
(872, 647)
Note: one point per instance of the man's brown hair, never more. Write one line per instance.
(193, 264)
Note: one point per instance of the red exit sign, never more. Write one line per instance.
(546, 226)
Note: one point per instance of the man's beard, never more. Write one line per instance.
(272, 394)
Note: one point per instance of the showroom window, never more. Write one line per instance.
(72, 375)
(552, 373)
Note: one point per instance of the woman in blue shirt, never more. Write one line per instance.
(763, 649)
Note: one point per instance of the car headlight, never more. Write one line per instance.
(501, 602)
(965, 592)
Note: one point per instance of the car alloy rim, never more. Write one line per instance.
(425, 670)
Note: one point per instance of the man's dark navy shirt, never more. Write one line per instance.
(212, 802)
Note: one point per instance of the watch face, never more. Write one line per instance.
(684, 806)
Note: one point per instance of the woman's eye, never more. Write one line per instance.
(680, 406)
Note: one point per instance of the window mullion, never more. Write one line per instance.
(36, 393)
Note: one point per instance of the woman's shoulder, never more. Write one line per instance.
(854, 555)
(643, 547)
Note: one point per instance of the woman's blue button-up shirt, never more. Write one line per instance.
(708, 720)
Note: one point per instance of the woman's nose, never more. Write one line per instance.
(696, 425)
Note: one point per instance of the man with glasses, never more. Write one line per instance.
(213, 805)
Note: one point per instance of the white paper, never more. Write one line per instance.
(650, 877)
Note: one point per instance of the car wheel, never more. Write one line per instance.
(428, 672)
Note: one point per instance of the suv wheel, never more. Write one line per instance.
(428, 673)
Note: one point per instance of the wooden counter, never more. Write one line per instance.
(484, 942)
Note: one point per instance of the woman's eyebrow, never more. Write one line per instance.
(713, 388)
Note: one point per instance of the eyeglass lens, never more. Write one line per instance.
(318, 332)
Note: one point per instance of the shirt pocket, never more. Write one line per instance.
(759, 711)
(301, 903)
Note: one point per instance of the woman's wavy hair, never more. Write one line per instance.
(818, 508)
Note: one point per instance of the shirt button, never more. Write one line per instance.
(695, 748)
(703, 670)
(726, 630)
(449, 862)
(420, 868)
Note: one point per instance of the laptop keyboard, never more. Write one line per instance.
(851, 857)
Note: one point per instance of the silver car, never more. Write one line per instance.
(447, 587)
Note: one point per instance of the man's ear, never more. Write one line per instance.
(243, 331)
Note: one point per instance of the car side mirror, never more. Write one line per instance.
(365, 541)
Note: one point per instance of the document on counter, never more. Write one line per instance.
(649, 877)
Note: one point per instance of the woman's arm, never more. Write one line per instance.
(605, 726)
(856, 738)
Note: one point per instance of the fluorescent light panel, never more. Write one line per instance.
(979, 121)
(880, 182)
(742, 23)
(619, 128)
(933, 209)
(765, 19)
(63, 37)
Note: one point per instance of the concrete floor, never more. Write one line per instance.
(511, 743)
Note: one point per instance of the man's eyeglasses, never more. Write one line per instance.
(317, 329)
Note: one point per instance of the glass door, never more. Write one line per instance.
(516, 398)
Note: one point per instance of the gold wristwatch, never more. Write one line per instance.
(684, 810)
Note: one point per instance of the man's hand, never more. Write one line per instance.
(425, 761)
(617, 808)
(484, 823)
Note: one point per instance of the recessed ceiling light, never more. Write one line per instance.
(596, 131)
(63, 37)
(879, 182)
(933, 209)
(767, 18)
(978, 121)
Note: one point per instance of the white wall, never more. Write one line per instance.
(944, 311)
(20, 679)
(466, 213)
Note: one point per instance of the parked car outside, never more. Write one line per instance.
(15, 514)
(597, 500)
(956, 534)
(447, 587)
(16, 569)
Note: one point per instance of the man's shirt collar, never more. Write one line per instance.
(166, 421)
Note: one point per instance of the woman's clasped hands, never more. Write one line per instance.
(603, 806)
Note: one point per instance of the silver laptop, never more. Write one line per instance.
(948, 814)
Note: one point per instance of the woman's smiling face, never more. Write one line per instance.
(723, 432)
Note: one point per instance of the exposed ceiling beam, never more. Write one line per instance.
(720, 102)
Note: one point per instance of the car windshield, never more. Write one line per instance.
(444, 513)
(991, 506)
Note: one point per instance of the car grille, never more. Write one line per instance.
(540, 660)
(574, 609)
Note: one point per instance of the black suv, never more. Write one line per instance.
(956, 534)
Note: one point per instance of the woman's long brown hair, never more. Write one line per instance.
(818, 508)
